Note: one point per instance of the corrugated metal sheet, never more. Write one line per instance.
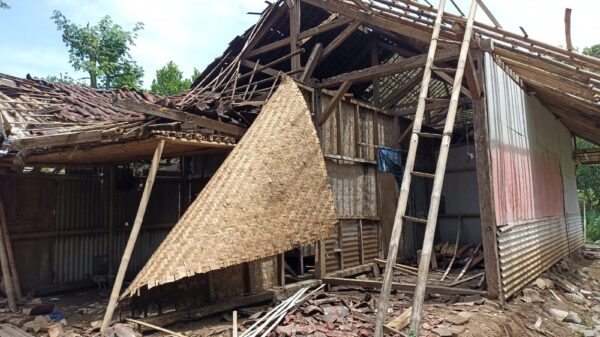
(528, 248)
(371, 240)
(351, 243)
(534, 185)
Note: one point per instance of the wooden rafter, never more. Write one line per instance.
(313, 61)
(322, 28)
(294, 32)
(343, 36)
(401, 91)
(389, 69)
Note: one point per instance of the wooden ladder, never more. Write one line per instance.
(438, 176)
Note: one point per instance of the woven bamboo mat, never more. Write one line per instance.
(270, 195)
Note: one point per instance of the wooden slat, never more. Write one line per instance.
(294, 31)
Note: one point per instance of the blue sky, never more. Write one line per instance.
(193, 32)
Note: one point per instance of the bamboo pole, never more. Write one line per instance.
(6, 275)
(135, 230)
(405, 188)
(438, 181)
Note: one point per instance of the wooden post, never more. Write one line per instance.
(438, 181)
(406, 180)
(281, 269)
(6, 274)
(110, 218)
(321, 260)
(294, 31)
(9, 251)
(234, 331)
(135, 230)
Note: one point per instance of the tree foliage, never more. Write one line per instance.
(588, 188)
(64, 78)
(102, 50)
(170, 81)
(592, 51)
(4, 5)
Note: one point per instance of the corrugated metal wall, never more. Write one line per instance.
(533, 178)
(59, 229)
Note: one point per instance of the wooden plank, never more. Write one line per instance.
(313, 61)
(180, 116)
(303, 35)
(10, 253)
(405, 287)
(389, 69)
(294, 31)
(333, 103)
(135, 230)
(339, 39)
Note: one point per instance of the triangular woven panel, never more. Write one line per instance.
(270, 195)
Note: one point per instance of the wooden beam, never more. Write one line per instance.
(273, 17)
(404, 287)
(568, 12)
(389, 68)
(294, 31)
(304, 35)
(362, 5)
(135, 230)
(378, 21)
(340, 38)
(333, 103)
(180, 116)
(406, 110)
(313, 61)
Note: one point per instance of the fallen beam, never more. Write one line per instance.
(173, 317)
(389, 69)
(405, 287)
(180, 116)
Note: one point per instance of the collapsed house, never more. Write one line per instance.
(75, 158)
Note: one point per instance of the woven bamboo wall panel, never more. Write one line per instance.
(270, 195)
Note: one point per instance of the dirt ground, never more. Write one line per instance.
(570, 287)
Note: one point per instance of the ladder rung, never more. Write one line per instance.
(423, 174)
(430, 135)
(446, 70)
(413, 219)
(450, 41)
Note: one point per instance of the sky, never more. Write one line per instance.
(192, 33)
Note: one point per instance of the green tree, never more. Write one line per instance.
(169, 80)
(102, 51)
(64, 79)
(592, 51)
(588, 188)
(4, 5)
